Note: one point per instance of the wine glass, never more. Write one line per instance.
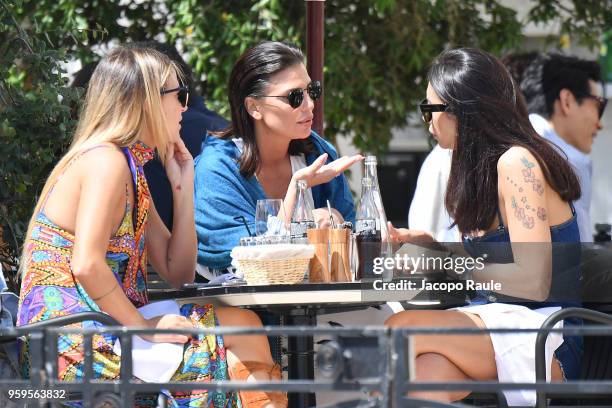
(269, 217)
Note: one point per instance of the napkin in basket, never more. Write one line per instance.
(274, 251)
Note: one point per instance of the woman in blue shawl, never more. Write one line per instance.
(266, 149)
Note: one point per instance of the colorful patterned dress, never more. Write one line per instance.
(49, 289)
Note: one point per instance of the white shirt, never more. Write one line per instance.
(299, 162)
(427, 210)
(582, 165)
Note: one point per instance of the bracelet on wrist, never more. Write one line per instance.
(107, 293)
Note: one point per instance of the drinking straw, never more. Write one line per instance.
(331, 218)
(244, 221)
(286, 230)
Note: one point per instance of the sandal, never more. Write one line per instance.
(256, 398)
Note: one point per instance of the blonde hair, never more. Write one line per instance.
(123, 100)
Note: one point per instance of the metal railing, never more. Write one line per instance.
(376, 361)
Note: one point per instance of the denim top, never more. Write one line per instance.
(565, 286)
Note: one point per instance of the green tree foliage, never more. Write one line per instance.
(376, 57)
(35, 122)
(376, 51)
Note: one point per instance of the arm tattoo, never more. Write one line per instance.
(542, 213)
(519, 212)
(529, 175)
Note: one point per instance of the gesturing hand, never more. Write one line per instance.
(179, 165)
(411, 236)
(402, 235)
(168, 321)
(319, 172)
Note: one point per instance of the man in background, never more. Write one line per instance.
(563, 96)
(427, 210)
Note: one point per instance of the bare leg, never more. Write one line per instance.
(241, 347)
(249, 349)
(451, 357)
(436, 367)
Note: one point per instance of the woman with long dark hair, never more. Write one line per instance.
(268, 146)
(510, 194)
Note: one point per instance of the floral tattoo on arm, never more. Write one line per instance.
(523, 211)
(529, 176)
(520, 213)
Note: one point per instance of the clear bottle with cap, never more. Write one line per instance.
(368, 233)
(302, 218)
(370, 171)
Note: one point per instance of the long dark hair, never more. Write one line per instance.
(250, 76)
(491, 118)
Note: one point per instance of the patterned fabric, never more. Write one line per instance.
(49, 289)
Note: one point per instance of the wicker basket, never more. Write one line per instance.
(273, 270)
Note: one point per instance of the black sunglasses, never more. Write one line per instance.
(296, 96)
(182, 92)
(427, 109)
(601, 102)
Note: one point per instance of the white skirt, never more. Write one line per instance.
(515, 352)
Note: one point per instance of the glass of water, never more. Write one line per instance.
(270, 217)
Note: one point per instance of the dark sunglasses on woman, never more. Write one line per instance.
(427, 109)
(182, 94)
(296, 96)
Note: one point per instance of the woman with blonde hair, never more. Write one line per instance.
(86, 248)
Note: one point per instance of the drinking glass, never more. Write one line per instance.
(270, 217)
